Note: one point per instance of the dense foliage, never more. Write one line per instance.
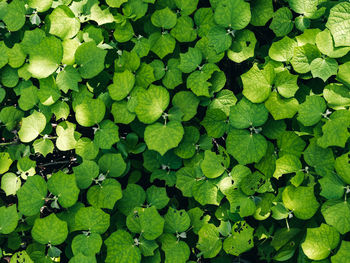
(174, 131)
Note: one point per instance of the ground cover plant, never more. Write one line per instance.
(174, 131)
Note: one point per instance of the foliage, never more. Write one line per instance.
(174, 131)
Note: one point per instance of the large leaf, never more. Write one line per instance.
(45, 57)
(64, 187)
(120, 248)
(50, 230)
(320, 241)
(63, 23)
(301, 200)
(8, 219)
(31, 196)
(162, 138)
(151, 103)
(90, 59)
(233, 13)
(339, 23)
(246, 147)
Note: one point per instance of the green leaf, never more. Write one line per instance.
(106, 135)
(241, 239)
(8, 219)
(282, 50)
(10, 183)
(162, 44)
(10, 116)
(157, 136)
(146, 221)
(68, 79)
(281, 108)
(310, 112)
(101, 16)
(164, 18)
(342, 167)
(63, 23)
(286, 83)
(90, 59)
(243, 47)
(343, 73)
(209, 242)
(332, 187)
(338, 23)
(40, 5)
(184, 31)
(187, 102)
(176, 221)
(175, 251)
(319, 158)
(133, 196)
(232, 13)
(45, 57)
(85, 148)
(14, 16)
(122, 85)
(21, 256)
(186, 7)
(320, 241)
(123, 32)
(324, 68)
(87, 245)
(257, 83)
(31, 196)
(262, 11)
(90, 112)
(186, 177)
(105, 195)
(290, 143)
(212, 165)
(286, 164)
(219, 39)
(246, 147)
(303, 57)
(307, 7)
(5, 162)
(301, 200)
(335, 131)
(85, 173)
(92, 219)
(151, 103)
(32, 126)
(121, 248)
(67, 138)
(64, 187)
(112, 164)
(16, 56)
(337, 214)
(215, 123)
(246, 114)
(121, 114)
(116, 3)
(240, 203)
(342, 253)
(157, 196)
(191, 60)
(325, 44)
(50, 230)
(282, 22)
(206, 192)
(223, 101)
